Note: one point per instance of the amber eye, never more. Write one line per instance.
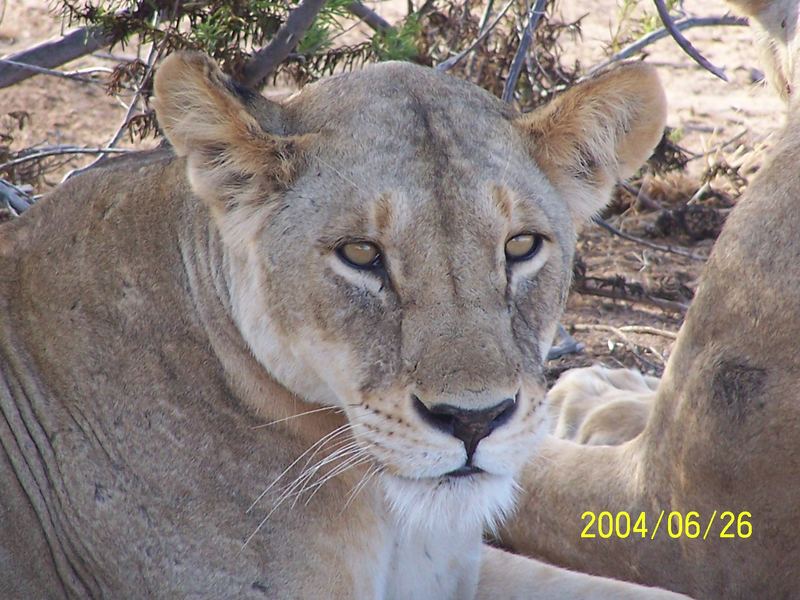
(523, 246)
(361, 255)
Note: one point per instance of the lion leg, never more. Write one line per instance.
(568, 483)
(514, 577)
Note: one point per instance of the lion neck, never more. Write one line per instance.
(218, 280)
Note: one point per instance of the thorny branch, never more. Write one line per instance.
(152, 57)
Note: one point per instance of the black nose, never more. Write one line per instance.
(470, 426)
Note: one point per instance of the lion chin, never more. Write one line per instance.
(481, 500)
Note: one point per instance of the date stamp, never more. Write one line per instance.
(725, 524)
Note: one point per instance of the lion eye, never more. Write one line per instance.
(523, 246)
(362, 255)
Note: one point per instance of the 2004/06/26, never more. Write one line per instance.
(691, 525)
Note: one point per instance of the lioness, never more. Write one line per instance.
(721, 433)
(302, 356)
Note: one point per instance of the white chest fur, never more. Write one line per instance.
(439, 563)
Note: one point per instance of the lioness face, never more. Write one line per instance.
(402, 245)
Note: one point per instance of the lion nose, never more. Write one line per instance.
(470, 426)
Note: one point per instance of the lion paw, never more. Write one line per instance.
(600, 406)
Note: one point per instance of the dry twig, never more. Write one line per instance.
(534, 14)
(454, 60)
(654, 36)
(641, 329)
(60, 151)
(266, 60)
(686, 45)
(720, 147)
(617, 288)
(487, 12)
(660, 247)
(619, 332)
(74, 76)
(51, 54)
(640, 196)
(647, 330)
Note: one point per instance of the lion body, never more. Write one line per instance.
(105, 456)
(178, 334)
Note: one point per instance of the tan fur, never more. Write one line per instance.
(587, 404)
(626, 113)
(774, 23)
(723, 426)
(615, 422)
(178, 333)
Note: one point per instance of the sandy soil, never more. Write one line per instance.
(61, 111)
(706, 111)
(699, 103)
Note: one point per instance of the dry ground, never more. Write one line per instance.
(718, 123)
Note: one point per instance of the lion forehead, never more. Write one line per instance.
(392, 101)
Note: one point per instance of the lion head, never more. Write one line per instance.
(399, 244)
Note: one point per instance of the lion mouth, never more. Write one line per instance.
(464, 471)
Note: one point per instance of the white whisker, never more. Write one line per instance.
(308, 472)
(365, 479)
(353, 462)
(316, 444)
(348, 451)
(302, 414)
(334, 448)
(357, 456)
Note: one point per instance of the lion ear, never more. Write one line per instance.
(596, 133)
(233, 139)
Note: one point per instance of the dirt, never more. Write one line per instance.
(61, 111)
(724, 126)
